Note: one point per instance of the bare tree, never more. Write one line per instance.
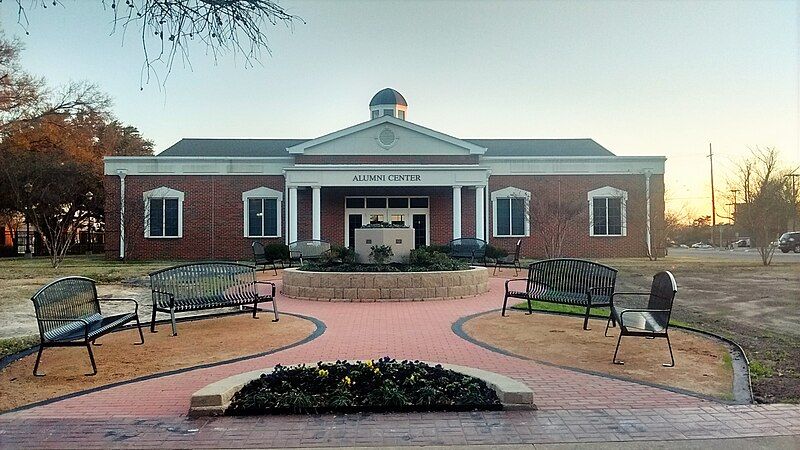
(766, 204)
(167, 28)
(552, 217)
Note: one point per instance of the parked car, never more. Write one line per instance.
(701, 245)
(741, 243)
(789, 241)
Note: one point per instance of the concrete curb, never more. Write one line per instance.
(214, 399)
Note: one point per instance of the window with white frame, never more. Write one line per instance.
(607, 212)
(262, 212)
(510, 212)
(163, 213)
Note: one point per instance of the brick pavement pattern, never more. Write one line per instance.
(573, 406)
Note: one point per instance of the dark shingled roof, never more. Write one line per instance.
(231, 147)
(541, 147)
(388, 96)
(277, 147)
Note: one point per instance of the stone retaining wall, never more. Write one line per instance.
(391, 286)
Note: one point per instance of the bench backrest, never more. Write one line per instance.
(311, 248)
(203, 282)
(259, 252)
(65, 298)
(662, 295)
(571, 275)
(467, 247)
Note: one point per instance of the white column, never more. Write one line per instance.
(647, 225)
(316, 218)
(292, 214)
(456, 212)
(479, 220)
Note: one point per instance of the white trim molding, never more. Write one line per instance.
(469, 146)
(608, 192)
(261, 193)
(162, 192)
(511, 193)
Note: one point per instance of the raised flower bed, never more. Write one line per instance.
(382, 385)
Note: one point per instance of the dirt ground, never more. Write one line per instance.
(700, 363)
(198, 342)
(756, 306)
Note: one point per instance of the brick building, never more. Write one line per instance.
(210, 198)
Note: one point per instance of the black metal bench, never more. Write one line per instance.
(567, 281)
(308, 249)
(68, 314)
(511, 261)
(206, 285)
(473, 249)
(261, 258)
(651, 321)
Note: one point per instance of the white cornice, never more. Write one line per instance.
(472, 148)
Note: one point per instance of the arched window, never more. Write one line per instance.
(262, 212)
(163, 213)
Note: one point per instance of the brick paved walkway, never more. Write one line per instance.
(573, 406)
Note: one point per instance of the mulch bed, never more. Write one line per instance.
(699, 362)
(198, 342)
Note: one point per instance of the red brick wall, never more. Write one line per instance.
(213, 217)
(213, 214)
(578, 243)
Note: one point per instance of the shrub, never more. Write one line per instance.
(495, 252)
(438, 248)
(276, 252)
(383, 225)
(381, 385)
(380, 254)
(342, 254)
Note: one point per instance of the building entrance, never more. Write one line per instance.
(403, 211)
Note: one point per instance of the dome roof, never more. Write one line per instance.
(388, 96)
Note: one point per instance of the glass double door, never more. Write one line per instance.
(402, 211)
(418, 221)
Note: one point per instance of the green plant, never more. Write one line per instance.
(495, 252)
(437, 248)
(760, 370)
(380, 254)
(276, 252)
(373, 385)
(342, 254)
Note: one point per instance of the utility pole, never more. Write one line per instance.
(713, 205)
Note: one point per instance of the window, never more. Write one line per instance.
(375, 113)
(398, 202)
(262, 212)
(354, 202)
(510, 218)
(163, 211)
(607, 212)
(401, 115)
(419, 202)
(376, 202)
(388, 112)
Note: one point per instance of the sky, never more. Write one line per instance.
(641, 78)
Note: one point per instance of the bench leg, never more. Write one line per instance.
(274, 268)
(607, 323)
(172, 318)
(614, 359)
(139, 327)
(671, 357)
(494, 272)
(153, 321)
(505, 302)
(38, 360)
(530, 307)
(586, 318)
(91, 359)
(275, 308)
(255, 309)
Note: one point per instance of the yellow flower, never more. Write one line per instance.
(368, 363)
(377, 371)
(347, 380)
(323, 373)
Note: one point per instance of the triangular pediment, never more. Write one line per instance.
(387, 135)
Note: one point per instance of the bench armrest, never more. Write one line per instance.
(295, 254)
(642, 310)
(85, 324)
(170, 294)
(514, 279)
(269, 283)
(591, 290)
(121, 300)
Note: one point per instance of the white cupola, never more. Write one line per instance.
(388, 102)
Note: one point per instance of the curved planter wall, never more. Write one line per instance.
(392, 286)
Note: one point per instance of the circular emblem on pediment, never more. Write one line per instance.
(386, 138)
